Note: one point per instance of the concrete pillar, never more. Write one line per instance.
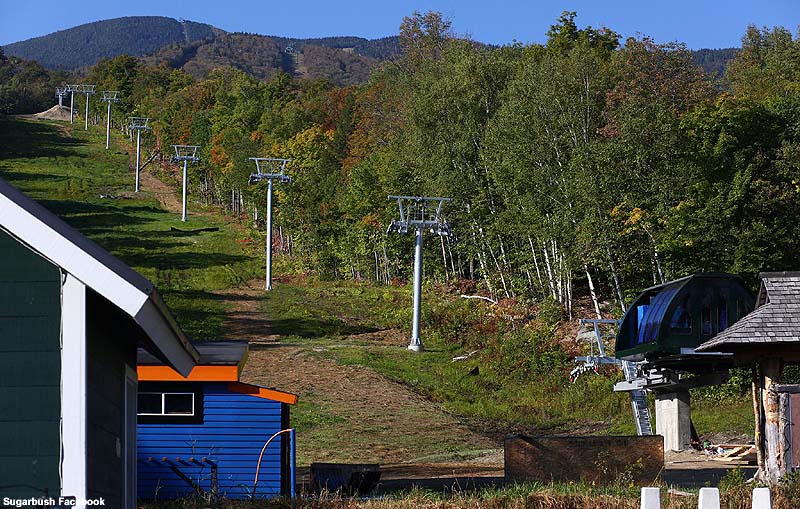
(708, 498)
(762, 499)
(651, 498)
(673, 420)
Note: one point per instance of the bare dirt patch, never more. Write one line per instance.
(385, 337)
(163, 192)
(245, 321)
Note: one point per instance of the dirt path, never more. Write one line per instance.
(348, 413)
(245, 321)
(163, 192)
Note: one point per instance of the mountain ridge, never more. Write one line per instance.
(86, 44)
(199, 48)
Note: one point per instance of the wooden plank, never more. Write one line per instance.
(30, 369)
(29, 438)
(29, 476)
(29, 403)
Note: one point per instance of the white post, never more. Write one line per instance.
(183, 218)
(708, 498)
(108, 124)
(72, 107)
(73, 389)
(269, 235)
(86, 127)
(416, 344)
(651, 498)
(762, 498)
(138, 160)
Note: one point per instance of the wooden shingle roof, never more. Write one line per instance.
(775, 321)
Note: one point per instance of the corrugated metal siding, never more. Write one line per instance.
(30, 372)
(234, 430)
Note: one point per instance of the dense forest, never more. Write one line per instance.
(714, 61)
(583, 166)
(25, 86)
(262, 57)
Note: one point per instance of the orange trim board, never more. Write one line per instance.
(262, 392)
(198, 374)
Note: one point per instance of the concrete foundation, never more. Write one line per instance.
(674, 420)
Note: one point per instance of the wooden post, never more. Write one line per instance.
(785, 433)
(759, 433)
(774, 442)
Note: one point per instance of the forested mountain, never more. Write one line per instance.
(384, 48)
(714, 61)
(84, 45)
(199, 48)
(262, 57)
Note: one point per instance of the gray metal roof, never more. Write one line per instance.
(212, 353)
(46, 234)
(775, 321)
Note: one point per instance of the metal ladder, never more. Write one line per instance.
(641, 410)
(591, 362)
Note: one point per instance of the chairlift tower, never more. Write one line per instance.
(88, 90)
(419, 213)
(72, 89)
(269, 169)
(109, 96)
(60, 93)
(185, 153)
(138, 124)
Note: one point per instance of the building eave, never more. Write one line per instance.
(53, 239)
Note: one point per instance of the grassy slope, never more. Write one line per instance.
(329, 317)
(69, 175)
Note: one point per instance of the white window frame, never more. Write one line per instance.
(163, 404)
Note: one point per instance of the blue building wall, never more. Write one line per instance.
(234, 429)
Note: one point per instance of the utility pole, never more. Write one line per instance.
(110, 96)
(88, 90)
(138, 124)
(72, 89)
(419, 213)
(185, 153)
(274, 171)
(60, 93)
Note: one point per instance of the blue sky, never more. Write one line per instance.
(698, 23)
